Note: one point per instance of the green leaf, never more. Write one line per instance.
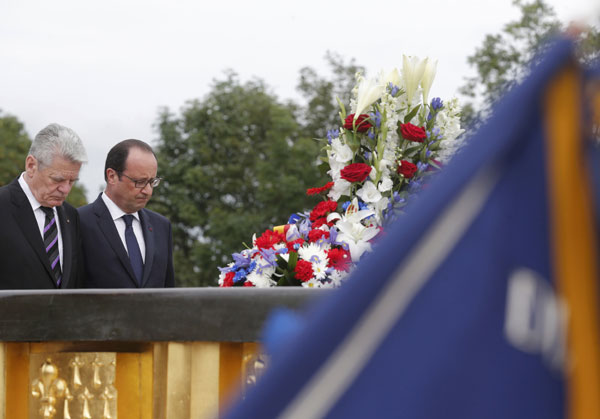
(411, 114)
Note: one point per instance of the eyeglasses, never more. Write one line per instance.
(141, 184)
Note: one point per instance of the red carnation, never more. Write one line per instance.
(316, 234)
(316, 191)
(319, 222)
(355, 172)
(304, 270)
(339, 259)
(290, 245)
(228, 280)
(407, 169)
(362, 123)
(269, 239)
(248, 284)
(322, 209)
(412, 132)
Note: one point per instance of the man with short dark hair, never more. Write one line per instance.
(40, 242)
(126, 245)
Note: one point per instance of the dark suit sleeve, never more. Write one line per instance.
(170, 279)
(80, 274)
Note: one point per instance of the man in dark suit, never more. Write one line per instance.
(40, 242)
(126, 245)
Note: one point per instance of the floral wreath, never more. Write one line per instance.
(383, 153)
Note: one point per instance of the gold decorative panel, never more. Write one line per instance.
(72, 385)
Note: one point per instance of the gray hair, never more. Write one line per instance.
(57, 140)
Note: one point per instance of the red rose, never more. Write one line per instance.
(228, 280)
(269, 239)
(316, 234)
(355, 172)
(412, 132)
(316, 191)
(304, 270)
(322, 209)
(407, 169)
(339, 259)
(362, 123)
(248, 284)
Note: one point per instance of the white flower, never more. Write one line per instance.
(385, 185)
(428, 76)
(412, 72)
(392, 77)
(261, 275)
(313, 253)
(355, 234)
(369, 192)
(341, 153)
(340, 187)
(369, 90)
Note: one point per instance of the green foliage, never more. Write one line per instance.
(322, 110)
(14, 145)
(501, 61)
(234, 163)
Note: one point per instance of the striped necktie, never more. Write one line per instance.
(51, 243)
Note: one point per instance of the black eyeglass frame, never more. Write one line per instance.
(141, 184)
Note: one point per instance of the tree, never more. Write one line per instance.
(14, 145)
(322, 110)
(234, 163)
(503, 58)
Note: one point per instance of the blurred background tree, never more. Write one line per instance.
(321, 112)
(503, 58)
(14, 145)
(234, 163)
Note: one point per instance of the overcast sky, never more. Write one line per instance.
(105, 68)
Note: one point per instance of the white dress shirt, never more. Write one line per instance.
(117, 215)
(40, 215)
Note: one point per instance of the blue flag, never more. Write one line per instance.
(481, 302)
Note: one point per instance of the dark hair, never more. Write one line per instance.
(117, 156)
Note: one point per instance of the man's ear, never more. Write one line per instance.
(112, 176)
(31, 165)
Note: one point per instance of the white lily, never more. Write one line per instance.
(369, 90)
(355, 234)
(428, 76)
(412, 71)
(392, 77)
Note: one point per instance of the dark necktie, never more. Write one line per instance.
(51, 243)
(135, 256)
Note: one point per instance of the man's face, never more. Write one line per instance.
(140, 165)
(51, 184)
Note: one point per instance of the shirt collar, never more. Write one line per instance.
(115, 211)
(32, 201)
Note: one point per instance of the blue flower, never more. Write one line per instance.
(293, 219)
(331, 134)
(422, 166)
(437, 103)
(240, 260)
(394, 89)
(367, 155)
(371, 134)
(376, 118)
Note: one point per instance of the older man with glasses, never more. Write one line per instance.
(126, 245)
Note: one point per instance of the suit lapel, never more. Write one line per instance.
(149, 241)
(67, 243)
(25, 219)
(108, 228)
